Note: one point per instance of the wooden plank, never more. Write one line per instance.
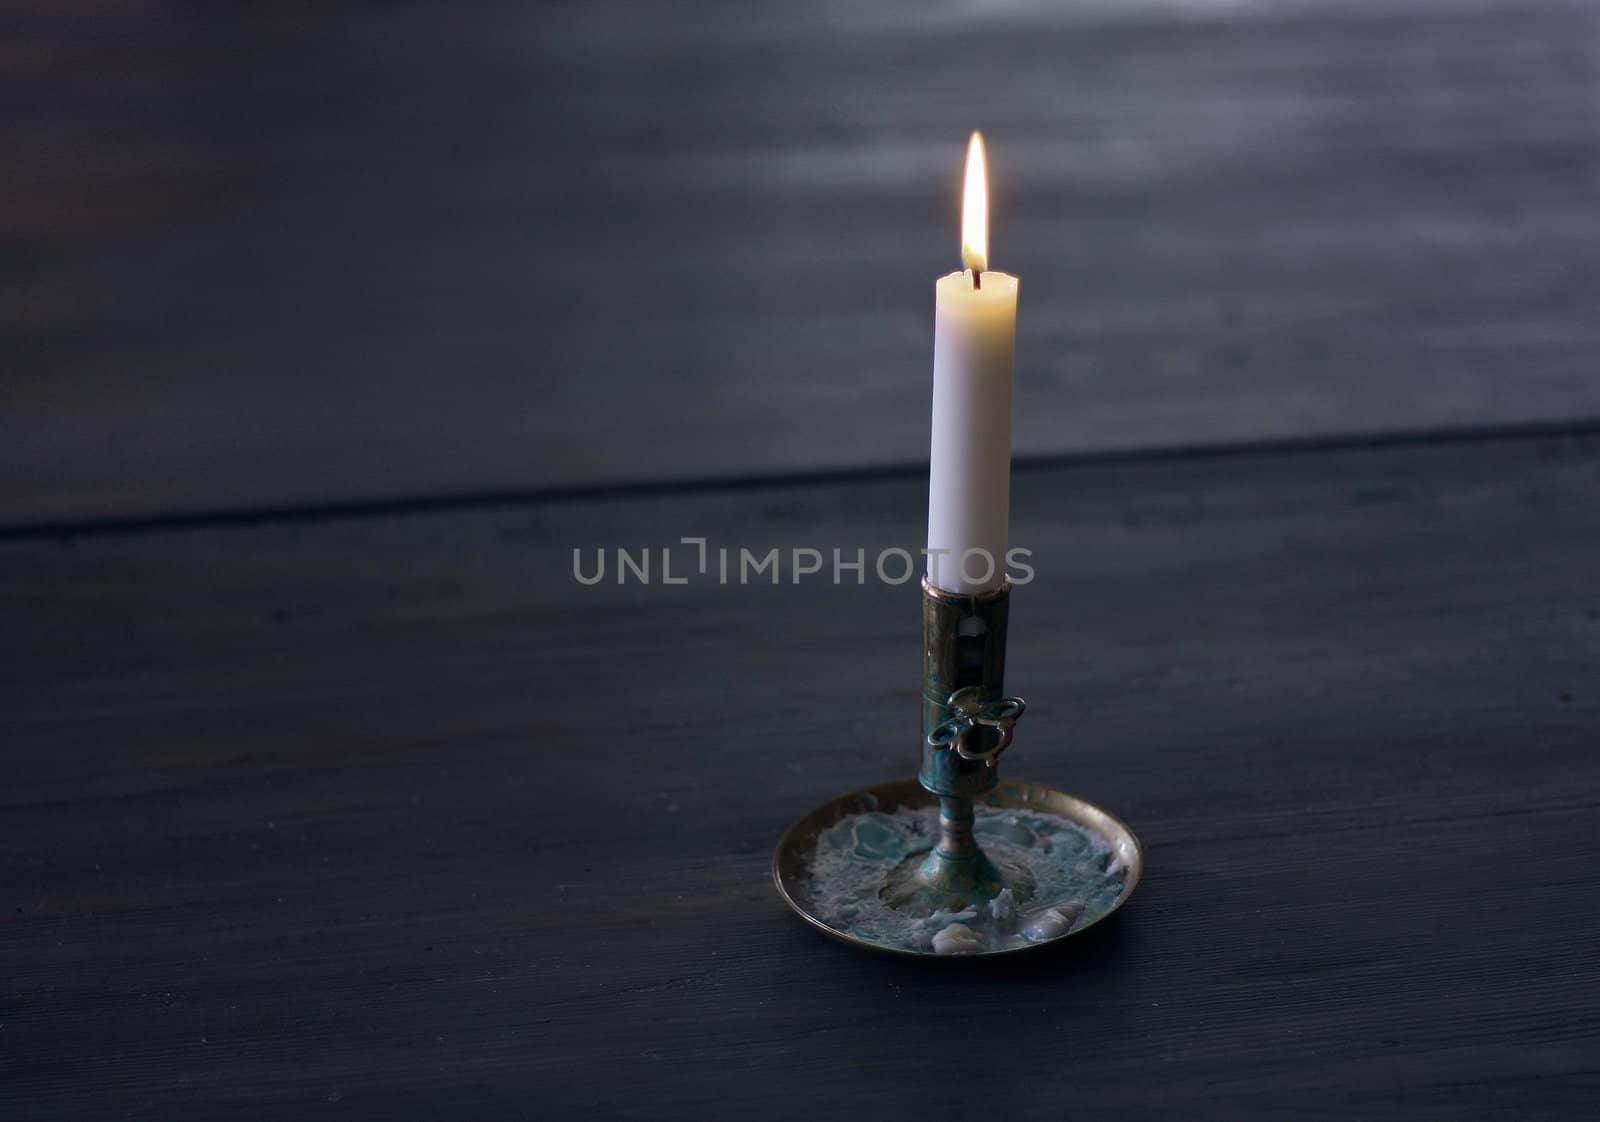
(342, 252)
(390, 815)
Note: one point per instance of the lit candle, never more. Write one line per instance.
(974, 341)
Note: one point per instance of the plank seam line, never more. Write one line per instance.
(509, 497)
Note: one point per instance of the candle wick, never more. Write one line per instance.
(977, 281)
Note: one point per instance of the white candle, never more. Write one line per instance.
(974, 342)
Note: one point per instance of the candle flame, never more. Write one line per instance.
(975, 209)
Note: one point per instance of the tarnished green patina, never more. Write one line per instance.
(963, 661)
(966, 723)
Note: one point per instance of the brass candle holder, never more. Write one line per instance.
(967, 722)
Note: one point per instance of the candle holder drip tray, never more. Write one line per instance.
(957, 862)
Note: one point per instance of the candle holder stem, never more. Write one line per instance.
(956, 842)
(966, 724)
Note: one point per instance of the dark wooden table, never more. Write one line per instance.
(330, 792)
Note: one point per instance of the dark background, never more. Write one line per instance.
(329, 331)
(292, 254)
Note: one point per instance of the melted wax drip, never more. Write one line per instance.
(1077, 875)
